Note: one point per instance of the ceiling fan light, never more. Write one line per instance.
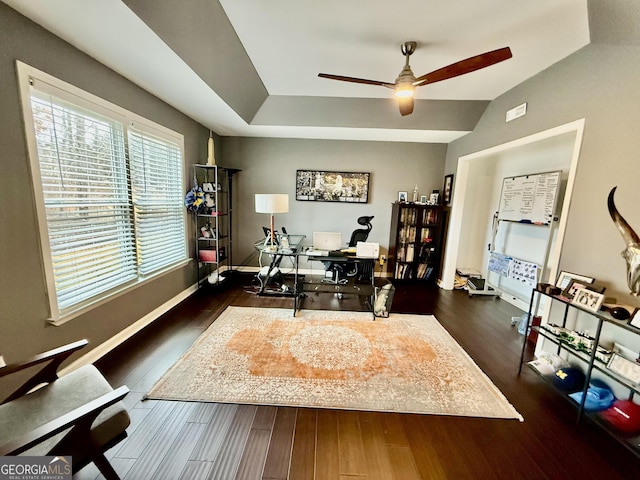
(404, 90)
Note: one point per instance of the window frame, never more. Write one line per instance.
(74, 95)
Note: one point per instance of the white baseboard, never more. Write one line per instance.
(301, 271)
(515, 301)
(105, 347)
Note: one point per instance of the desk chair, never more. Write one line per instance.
(341, 271)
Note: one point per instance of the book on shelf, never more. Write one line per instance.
(424, 271)
(429, 217)
(408, 215)
(407, 272)
(398, 271)
(410, 252)
(408, 233)
(428, 273)
(403, 271)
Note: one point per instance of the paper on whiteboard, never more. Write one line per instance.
(499, 264)
(524, 272)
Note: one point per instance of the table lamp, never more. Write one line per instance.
(272, 203)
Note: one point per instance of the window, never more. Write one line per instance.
(110, 188)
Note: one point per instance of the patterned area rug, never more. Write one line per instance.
(329, 359)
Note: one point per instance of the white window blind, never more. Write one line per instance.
(84, 182)
(112, 191)
(157, 199)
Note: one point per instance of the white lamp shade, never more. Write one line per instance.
(272, 202)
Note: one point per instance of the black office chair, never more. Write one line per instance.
(361, 234)
(341, 271)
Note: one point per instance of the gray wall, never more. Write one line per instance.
(23, 302)
(269, 166)
(598, 83)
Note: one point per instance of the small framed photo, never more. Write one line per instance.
(423, 199)
(625, 368)
(564, 279)
(587, 299)
(447, 189)
(634, 321)
(402, 197)
(572, 288)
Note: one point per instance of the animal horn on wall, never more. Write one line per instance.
(631, 254)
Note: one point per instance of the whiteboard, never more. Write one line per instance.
(529, 198)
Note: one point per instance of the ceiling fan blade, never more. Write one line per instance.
(406, 105)
(468, 65)
(356, 80)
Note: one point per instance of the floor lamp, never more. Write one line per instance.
(272, 203)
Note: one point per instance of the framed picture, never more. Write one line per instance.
(634, 321)
(447, 189)
(625, 368)
(402, 197)
(423, 199)
(323, 186)
(572, 288)
(587, 299)
(564, 279)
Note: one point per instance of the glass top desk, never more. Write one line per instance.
(301, 288)
(274, 255)
(361, 283)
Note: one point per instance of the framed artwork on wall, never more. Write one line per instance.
(447, 189)
(323, 186)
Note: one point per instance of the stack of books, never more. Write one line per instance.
(462, 277)
(475, 283)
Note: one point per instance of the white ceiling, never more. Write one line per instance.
(290, 41)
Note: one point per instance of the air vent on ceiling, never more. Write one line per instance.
(516, 112)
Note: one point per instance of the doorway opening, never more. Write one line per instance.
(477, 190)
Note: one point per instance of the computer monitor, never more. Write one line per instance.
(327, 241)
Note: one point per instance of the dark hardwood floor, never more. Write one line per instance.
(189, 440)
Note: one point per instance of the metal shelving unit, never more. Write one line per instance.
(591, 361)
(213, 223)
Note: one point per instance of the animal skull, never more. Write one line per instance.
(631, 254)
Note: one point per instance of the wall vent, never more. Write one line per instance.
(516, 112)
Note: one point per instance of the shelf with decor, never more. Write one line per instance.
(583, 353)
(212, 219)
(415, 242)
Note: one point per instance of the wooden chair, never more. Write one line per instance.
(77, 414)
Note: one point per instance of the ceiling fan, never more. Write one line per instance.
(406, 82)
